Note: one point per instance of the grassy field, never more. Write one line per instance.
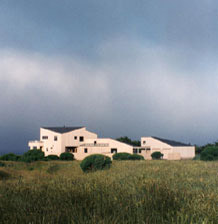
(130, 192)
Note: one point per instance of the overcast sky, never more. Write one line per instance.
(119, 67)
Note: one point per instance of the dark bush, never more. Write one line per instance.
(66, 156)
(136, 157)
(52, 157)
(4, 175)
(32, 155)
(210, 153)
(122, 156)
(2, 164)
(157, 155)
(10, 157)
(95, 162)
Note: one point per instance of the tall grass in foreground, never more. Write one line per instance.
(130, 192)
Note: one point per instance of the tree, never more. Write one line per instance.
(210, 153)
(157, 155)
(128, 141)
(33, 155)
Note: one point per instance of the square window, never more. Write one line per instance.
(81, 138)
(113, 150)
(144, 142)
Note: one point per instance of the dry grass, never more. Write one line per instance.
(130, 192)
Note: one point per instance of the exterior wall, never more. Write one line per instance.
(187, 152)
(68, 139)
(174, 156)
(169, 152)
(156, 145)
(50, 146)
(35, 145)
(101, 146)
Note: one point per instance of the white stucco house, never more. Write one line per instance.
(81, 143)
(171, 150)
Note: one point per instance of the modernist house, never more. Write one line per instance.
(80, 142)
(171, 150)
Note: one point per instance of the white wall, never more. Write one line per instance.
(185, 152)
(51, 147)
(102, 146)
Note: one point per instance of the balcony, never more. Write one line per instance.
(95, 145)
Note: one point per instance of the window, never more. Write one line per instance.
(71, 149)
(81, 138)
(148, 149)
(47, 149)
(140, 151)
(75, 137)
(113, 150)
(135, 151)
(95, 142)
(34, 147)
(44, 137)
(85, 150)
(55, 138)
(144, 142)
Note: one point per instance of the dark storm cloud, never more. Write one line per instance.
(118, 67)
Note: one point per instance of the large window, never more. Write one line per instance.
(135, 151)
(71, 149)
(113, 150)
(81, 138)
(44, 137)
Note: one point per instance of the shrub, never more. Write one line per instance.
(136, 157)
(95, 162)
(52, 157)
(210, 153)
(4, 175)
(2, 164)
(66, 156)
(157, 155)
(122, 156)
(10, 157)
(32, 155)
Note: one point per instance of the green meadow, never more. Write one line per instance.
(129, 192)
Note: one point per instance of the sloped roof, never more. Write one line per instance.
(62, 130)
(171, 142)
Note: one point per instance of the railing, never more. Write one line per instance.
(95, 145)
(35, 141)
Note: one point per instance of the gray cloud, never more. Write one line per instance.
(134, 92)
(120, 68)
